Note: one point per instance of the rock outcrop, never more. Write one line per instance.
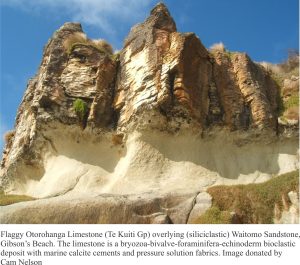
(105, 209)
(165, 116)
(290, 215)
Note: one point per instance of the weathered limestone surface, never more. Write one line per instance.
(103, 209)
(221, 106)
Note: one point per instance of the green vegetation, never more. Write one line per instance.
(284, 105)
(292, 101)
(280, 103)
(10, 199)
(80, 108)
(214, 216)
(252, 203)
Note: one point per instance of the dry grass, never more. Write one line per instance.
(252, 203)
(77, 37)
(103, 44)
(11, 199)
(288, 67)
(274, 68)
(8, 136)
(217, 47)
(80, 38)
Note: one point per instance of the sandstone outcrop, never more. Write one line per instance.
(165, 116)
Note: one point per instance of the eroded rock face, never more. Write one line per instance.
(248, 95)
(164, 84)
(162, 70)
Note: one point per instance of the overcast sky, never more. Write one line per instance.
(265, 29)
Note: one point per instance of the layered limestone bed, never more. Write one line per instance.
(138, 137)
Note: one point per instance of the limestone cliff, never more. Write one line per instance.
(160, 122)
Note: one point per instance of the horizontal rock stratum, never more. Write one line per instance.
(136, 137)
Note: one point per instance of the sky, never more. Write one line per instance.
(265, 29)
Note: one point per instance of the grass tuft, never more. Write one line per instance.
(80, 108)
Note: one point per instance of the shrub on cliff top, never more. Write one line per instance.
(8, 136)
(80, 38)
(77, 37)
(217, 47)
(102, 45)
